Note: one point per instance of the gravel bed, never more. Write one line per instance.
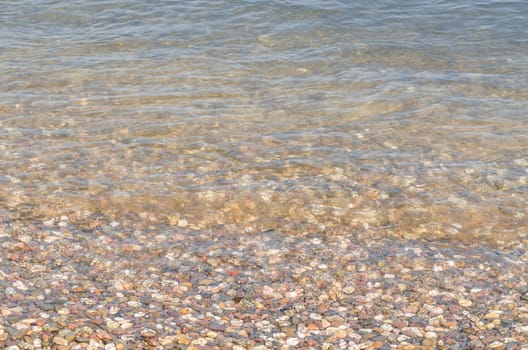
(103, 284)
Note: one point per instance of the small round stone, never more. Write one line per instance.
(465, 302)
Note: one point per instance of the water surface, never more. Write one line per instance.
(382, 118)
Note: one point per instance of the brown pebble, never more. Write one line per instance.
(450, 324)
(119, 331)
(185, 311)
(312, 327)
(372, 194)
(454, 308)
(148, 333)
(377, 344)
(399, 324)
(60, 341)
(183, 339)
(290, 332)
(311, 342)
(103, 335)
(364, 316)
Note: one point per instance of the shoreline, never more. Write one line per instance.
(112, 286)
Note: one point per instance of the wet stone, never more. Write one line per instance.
(60, 341)
(47, 307)
(171, 287)
(17, 333)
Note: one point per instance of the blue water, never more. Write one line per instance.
(396, 118)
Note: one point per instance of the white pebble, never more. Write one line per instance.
(379, 317)
(414, 331)
(19, 285)
(49, 222)
(521, 161)
(63, 311)
(292, 341)
(291, 295)
(126, 325)
(437, 310)
(315, 316)
(523, 329)
(434, 292)
(430, 335)
(386, 327)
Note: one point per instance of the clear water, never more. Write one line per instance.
(383, 117)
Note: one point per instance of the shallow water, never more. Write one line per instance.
(292, 115)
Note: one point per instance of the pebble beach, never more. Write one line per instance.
(68, 283)
(254, 174)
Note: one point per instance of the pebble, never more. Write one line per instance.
(122, 288)
(349, 290)
(341, 333)
(112, 324)
(492, 315)
(465, 302)
(183, 339)
(430, 335)
(412, 332)
(3, 335)
(315, 316)
(17, 333)
(19, 285)
(496, 345)
(292, 341)
(148, 333)
(60, 341)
